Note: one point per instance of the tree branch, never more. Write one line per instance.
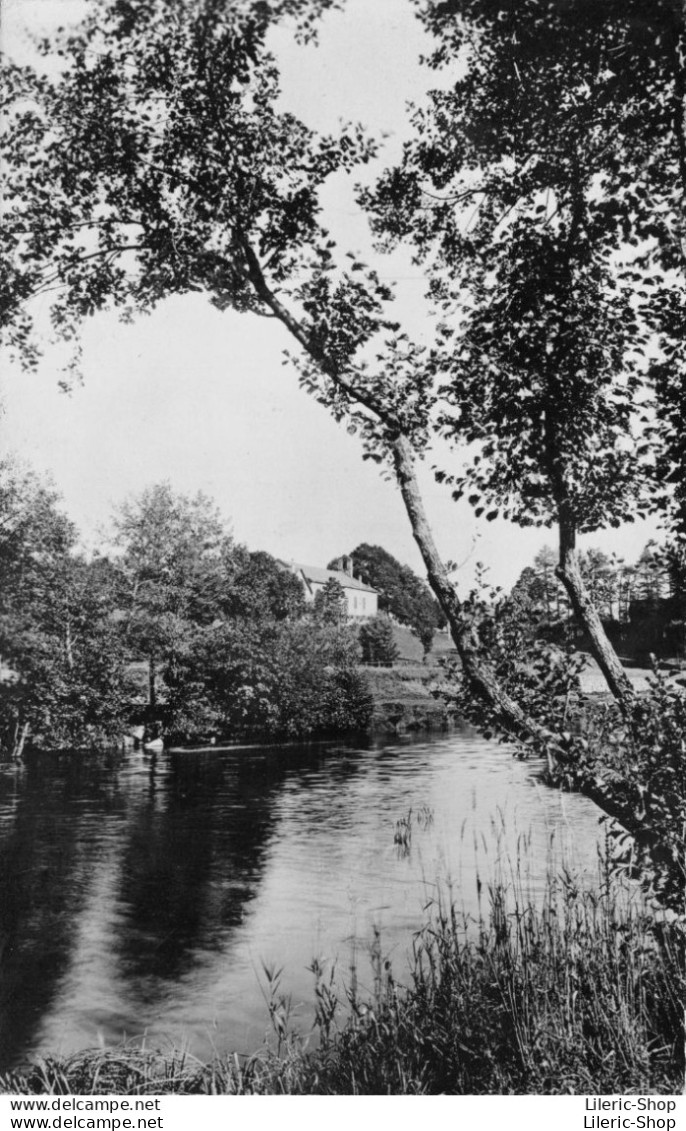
(304, 338)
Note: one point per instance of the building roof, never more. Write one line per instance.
(321, 576)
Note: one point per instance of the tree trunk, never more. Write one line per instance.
(679, 121)
(20, 743)
(587, 615)
(68, 647)
(478, 674)
(568, 569)
(152, 683)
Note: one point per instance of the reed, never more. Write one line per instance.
(582, 993)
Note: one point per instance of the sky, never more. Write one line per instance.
(202, 399)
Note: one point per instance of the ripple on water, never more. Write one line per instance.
(144, 896)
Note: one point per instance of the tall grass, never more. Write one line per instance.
(582, 994)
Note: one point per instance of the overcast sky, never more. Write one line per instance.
(201, 398)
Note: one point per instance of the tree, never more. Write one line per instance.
(539, 593)
(651, 579)
(544, 564)
(66, 682)
(168, 167)
(599, 572)
(330, 605)
(541, 185)
(643, 603)
(262, 588)
(175, 566)
(378, 642)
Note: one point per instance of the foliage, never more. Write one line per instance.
(174, 565)
(377, 641)
(267, 679)
(66, 683)
(169, 168)
(635, 768)
(221, 623)
(261, 589)
(641, 603)
(666, 439)
(539, 595)
(175, 561)
(540, 184)
(632, 765)
(330, 605)
(581, 996)
(543, 194)
(542, 676)
(162, 149)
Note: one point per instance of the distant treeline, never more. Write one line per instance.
(642, 604)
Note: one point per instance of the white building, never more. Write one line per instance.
(362, 601)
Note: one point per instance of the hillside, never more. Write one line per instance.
(410, 648)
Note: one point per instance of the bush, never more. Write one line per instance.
(267, 680)
(378, 643)
(632, 766)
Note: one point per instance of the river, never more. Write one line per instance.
(141, 896)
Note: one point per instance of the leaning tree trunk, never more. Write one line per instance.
(588, 617)
(477, 672)
(568, 570)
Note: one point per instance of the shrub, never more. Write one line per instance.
(378, 643)
(273, 680)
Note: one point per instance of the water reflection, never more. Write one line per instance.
(49, 846)
(142, 896)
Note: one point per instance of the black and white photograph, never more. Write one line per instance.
(342, 555)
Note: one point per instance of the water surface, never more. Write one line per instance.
(142, 896)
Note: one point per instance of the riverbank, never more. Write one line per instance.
(407, 698)
(584, 995)
(415, 695)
